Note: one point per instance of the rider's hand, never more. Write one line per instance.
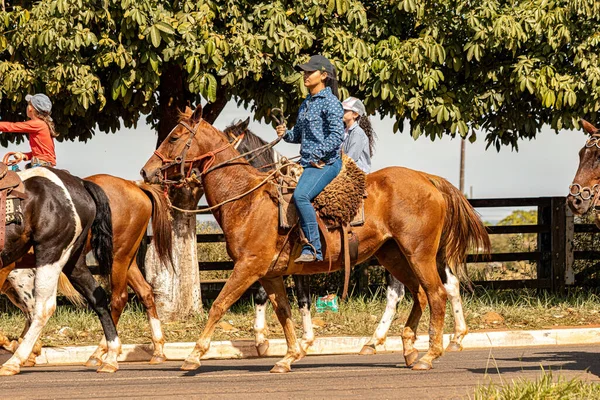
(281, 130)
(18, 157)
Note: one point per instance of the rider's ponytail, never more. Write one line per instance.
(48, 120)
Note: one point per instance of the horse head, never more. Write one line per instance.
(583, 192)
(184, 152)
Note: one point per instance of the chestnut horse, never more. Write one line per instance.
(584, 191)
(132, 204)
(244, 140)
(416, 224)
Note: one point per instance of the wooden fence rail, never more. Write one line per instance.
(554, 257)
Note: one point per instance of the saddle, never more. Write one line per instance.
(12, 191)
(339, 206)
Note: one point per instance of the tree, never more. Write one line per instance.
(449, 67)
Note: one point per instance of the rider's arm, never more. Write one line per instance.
(31, 126)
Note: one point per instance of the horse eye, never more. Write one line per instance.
(173, 139)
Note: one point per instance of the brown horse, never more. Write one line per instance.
(416, 224)
(583, 192)
(132, 204)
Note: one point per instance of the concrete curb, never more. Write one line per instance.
(330, 345)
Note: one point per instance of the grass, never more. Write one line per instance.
(544, 388)
(359, 316)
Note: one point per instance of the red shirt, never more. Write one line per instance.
(40, 140)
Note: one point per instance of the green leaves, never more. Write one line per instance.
(448, 67)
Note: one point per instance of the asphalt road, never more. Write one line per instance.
(455, 375)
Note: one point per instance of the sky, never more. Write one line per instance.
(542, 167)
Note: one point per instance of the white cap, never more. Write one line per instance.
(354, 104)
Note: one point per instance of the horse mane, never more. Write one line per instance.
(250, 142)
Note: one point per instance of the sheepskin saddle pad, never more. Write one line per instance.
(336, 205)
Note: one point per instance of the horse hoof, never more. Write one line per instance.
(108, 368)
(190, 365)
(422, 366)
(411, 357)
(158, 359)
(93, 362)
(280, 369)
(30, 362)
(368, 350)
(262, 348)
(9, 370)
(453, 346)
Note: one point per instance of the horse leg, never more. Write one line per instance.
(144, 292)
(303, 292)
(46, 281)
(260, 330)
(96, 297)
(452, 286)
(396, 263)
(118, 300)
(18, 288)
(278, 296)
(234, 288)
(394, 294)
(424, 267)
(20, 291)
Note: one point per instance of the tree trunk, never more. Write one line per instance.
(177, 290)
(212, 111)
(171, 99)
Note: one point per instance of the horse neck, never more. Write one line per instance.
(266, 159)
(228, 181)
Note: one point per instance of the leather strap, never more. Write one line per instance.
(347, 266)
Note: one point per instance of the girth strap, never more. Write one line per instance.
(347, 266)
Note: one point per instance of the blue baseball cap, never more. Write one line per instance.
(40, 102)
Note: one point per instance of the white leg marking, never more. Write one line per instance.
(452, 287)
(259, 324)
(395, 293)
(46, 281)
(308, 337)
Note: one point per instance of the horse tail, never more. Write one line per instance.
(102, 235)
(161, 222)
(463, 229)
(66, 289)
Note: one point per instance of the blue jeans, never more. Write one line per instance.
(311, 183)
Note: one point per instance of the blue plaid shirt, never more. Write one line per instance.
(319, 128)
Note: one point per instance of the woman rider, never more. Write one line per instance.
(39, 129)
(359, 136)
(320, 131)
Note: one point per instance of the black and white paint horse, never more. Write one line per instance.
(57, 216)
(246, 141)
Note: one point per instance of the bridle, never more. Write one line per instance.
(586, 193)
(193, 174)
(181, 160)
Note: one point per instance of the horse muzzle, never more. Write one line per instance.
(152, 177)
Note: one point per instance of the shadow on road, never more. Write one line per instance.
(550, 360)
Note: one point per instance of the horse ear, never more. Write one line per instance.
(197, 115)
(188, 110)
(244, 124)
(589, 128)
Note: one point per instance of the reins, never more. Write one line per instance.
(200, 210)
